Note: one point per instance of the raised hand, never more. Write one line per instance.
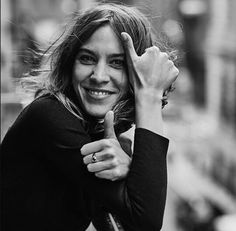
(153, 70)
(105, 157)
(150, 74)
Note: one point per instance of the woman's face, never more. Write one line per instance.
(99, 76)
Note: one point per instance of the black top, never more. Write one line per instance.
(46, 186)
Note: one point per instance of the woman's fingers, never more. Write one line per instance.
(131, 57)
(152, 68)
(102, 165)
(100, 156)
(104, 161)
(173, 73)
(110, 174)
(95, 146)
(107, 158)
(128, 43)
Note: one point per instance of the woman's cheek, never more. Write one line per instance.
(82, 72)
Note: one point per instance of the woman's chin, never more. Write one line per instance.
(98, 113)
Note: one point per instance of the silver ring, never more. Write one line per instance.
(94, 158)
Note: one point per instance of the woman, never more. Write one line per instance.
(62, 163)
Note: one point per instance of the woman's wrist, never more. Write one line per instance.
(148, 98)
(148, 107)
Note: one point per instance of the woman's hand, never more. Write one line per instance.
(105, 157)
(150, 74)
(153, 71)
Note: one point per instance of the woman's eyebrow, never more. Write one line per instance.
(86, 50)
(113, 55)
(117, 55)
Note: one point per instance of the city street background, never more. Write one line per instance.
(200, 116)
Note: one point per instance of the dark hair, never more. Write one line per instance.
(121, 18)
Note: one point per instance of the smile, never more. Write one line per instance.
(98, 94)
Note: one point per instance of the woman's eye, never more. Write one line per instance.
(86, 59)
(117, 63)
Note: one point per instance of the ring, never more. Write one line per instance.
(94, 158)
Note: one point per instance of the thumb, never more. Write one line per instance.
(109, 131)
(128, 43)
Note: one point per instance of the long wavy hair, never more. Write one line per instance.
(55, 76)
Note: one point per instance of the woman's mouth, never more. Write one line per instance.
(98, 93)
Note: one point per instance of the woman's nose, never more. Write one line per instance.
(100, 73)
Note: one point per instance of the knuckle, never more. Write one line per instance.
(106, 143)
(110, 152)
(116, 173)
(176, 71)
(98, 174)
(115, 162)
(164, 56)
(153, 49)
(148, 49)
(85, 160)
(170, 63)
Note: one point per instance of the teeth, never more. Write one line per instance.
(98, 92)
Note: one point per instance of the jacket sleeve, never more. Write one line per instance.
(139, 200)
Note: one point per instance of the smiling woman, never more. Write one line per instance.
(99, 74)
(65, 163)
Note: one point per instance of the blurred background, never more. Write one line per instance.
(201, 114)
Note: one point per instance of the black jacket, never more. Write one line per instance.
(46, 186)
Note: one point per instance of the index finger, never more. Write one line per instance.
(92, 147)
(128, 43)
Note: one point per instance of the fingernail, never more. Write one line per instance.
(123, 36)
